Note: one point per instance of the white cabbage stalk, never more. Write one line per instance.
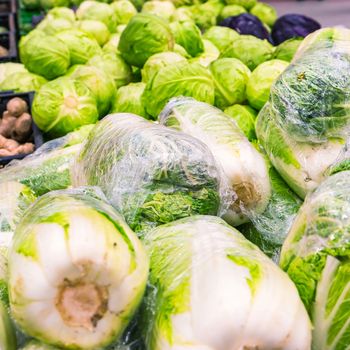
(211, 289)
(7, 332)
(245, 168)
(76, 271)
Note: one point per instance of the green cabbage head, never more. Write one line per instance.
(45, 55)
(63, 105)
(180, 79)
(231, 77)
(144, 36)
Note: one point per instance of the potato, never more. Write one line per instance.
(16, 106)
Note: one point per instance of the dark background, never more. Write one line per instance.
(327, 12)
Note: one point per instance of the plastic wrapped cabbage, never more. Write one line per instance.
(49, 167)
(151, 174)
(250, 50)
(245, 118)
(231, 77)
(96, 29)
(15, 199)
(304, 126)
(179, 79)
(99, 83)
(94, 10)
(44, 55)
(244, 168)
(221, 37)
(75, 261)
(210, 288)
(114, 66)
(157, 61)
(144, 36)
(261, 80)
(342, 163)
(316, 256)
(301, 164)
(63, 105)
(128, 100)
(22, 82)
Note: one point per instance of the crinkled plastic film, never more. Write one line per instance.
(323, 221)
(243, 167)
(311, 98)
(342, 163)
(316, 256)
(49, 167)
(150, 173)
(79, 250)
(302, 165)
(15, 199)
(209, 287)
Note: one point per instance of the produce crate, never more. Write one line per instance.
(37, 137)
(8, 6)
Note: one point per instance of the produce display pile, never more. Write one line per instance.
(193, 191)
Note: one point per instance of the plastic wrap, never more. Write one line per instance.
(210, 288)
(269, 229)
(76, 263)
(310, 100)
(244, 168)
(49, 167)
(304, 126)
(316, 255)
(150, 173)
(301, 164)
(342, 163)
